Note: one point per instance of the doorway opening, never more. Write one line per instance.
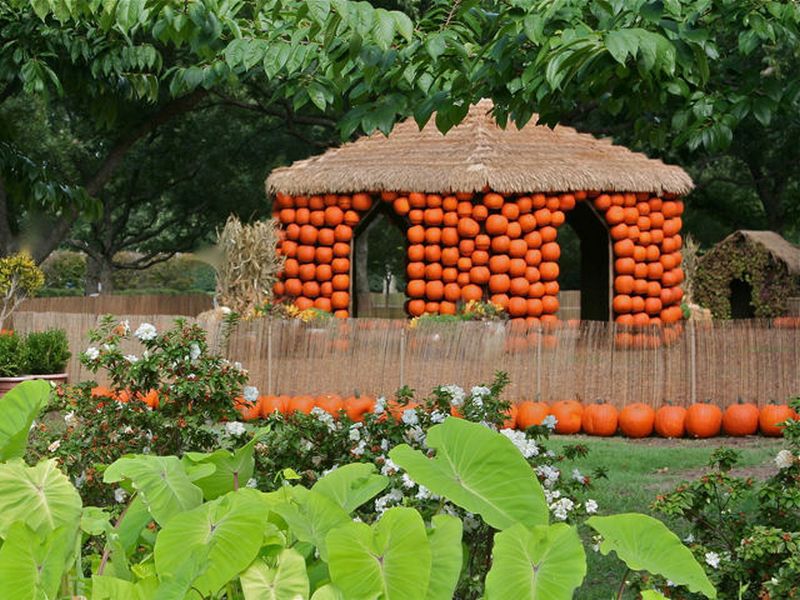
(379, 264)
(585, 266)
(741, 300)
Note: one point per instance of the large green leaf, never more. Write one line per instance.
(479, 470)
(31, 564)
(538, 563)
(18, 409)
(177, 584)
(653, 595)
(328, 592)
(646, 544)
(106, 587)
(310, 516)
(40, 496)
(352, 485)
(444, 538)
(231, 528)
(286, 581)
(161, 481)
(390, 560)
(133, 523)
(232, 469)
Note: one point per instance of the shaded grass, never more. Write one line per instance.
(638, 470)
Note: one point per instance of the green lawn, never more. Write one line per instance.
(637, 471)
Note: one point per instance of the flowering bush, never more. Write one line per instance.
(751, 552)
(20, 278)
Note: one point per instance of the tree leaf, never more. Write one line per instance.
(383, 29)
(444, 538)
(351, 485)
(319, 10)
(129, 13)
(403, 25)
(436, 45)
(479, 470)
(162, 482)
(391, 559)
(31, 564)
(286, 581)
(545, 562)
(762, 110)
(645, 543)
(621, 44)
(231, 528)
(42, 497)
(18, 408)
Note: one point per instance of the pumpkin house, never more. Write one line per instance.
(749, 274)
(480, 210)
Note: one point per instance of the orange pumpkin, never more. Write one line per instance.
(771, 416)
(671, 421)
(272, 404)
(740, 419)
(512, 414)
(637, 420)
(568, 414)
(531, 413)
(357, 406)
(330, 403)
(600, 418)
(250, 411)
(703, 420)
(302, 404)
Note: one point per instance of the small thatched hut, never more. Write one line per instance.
(748, 274)
(481, 207)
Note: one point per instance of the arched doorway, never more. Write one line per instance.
(741, 300)
(378, 263)
(585, 265)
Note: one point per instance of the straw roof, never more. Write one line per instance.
(780, 248)
(477, 154)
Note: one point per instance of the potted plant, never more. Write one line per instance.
(38, 355)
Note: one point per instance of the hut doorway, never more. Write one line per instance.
(741, 300)
(378, 263)
(585, 266)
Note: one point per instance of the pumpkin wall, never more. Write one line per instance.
(486, 247)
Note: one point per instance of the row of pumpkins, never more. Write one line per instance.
(700, 420)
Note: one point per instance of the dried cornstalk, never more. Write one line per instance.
(690, 254)
(248, 264)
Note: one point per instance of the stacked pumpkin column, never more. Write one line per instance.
(486, 247)
(315, 239)
(645, 232)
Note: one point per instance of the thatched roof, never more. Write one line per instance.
(477, 154)
(780, 248)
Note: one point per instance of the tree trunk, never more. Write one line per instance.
(6, 239)
(99, 275)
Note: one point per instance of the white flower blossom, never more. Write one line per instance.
(331, 470)
(306, 445)
(415, 434)
(194, 351)
(70, 419)
(251, 483)
(234, 428)
(456, 394)
(131, 358)
(550, 422)
(128, 430)
(120, 495)
(109, 347)
(238, 366)
(410, 417)
(146, 332)
(425, 494)
(360, 448)
(524, 444)
(250, 393)
(549, 473)
(551, 496)
(384, 444)
(590, 506)
(784, 459)
(80, 480)
(561, 508)
(324, 417)
(479, 392)
(354, 435)
(224, 310)
(191, 377)
(471, 523)
(438, 416)
(389, 468)
(577, 476)
(712, 559)
(54, 446)
(380, 406)
(477, 401)
(407, 482)
(92, 353)
(382, 503)
(689, 539)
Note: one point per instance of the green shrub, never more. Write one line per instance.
(12, 355)
(56, 292)
(64, 270)
(46, 352)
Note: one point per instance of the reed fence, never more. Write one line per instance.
(718, 361)
(146, 304)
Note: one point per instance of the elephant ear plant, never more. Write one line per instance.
(188, 529)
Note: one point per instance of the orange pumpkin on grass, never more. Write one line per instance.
(671, 421)
(703, 420)
(637, 420)
(600, 418)
(771, 416)
(740, 419)
(531, 413)
(568, 414)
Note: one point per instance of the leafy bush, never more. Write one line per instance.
(46, 352)
(20, 278)
(188, 526)
(12, 355)
(64, 270)
(753, 552)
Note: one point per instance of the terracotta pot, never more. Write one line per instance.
(8, 383)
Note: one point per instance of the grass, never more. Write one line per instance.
(638, 470)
